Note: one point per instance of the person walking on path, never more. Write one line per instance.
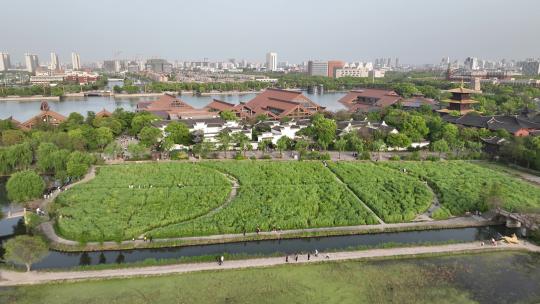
(287, 259)
(316, 253)
(221, 260)
(308, 256)
(296, 258)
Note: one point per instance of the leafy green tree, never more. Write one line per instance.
(12, 137)
(25, 186)
(283, 144)
(301, 146)
(179, 133)
(16, 157)
(340, 145)
(224, 138)
(112, 123)
(112, 149)
(203, 148)
(141, 120)
(415, 128)
(228, 115)
(242, 141)
(440, 146)
(136, 151)
(78, 164)
(45, 156)
(149, 136)
(26, 250)
(264, 145)
(450, 134)
(166, 144)
(378, 146)
(73, 121)
(77, 139)
(398, 140)
(324, 130)
(104, 136)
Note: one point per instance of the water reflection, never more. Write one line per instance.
(23, 110)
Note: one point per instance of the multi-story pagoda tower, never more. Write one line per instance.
(460, 101)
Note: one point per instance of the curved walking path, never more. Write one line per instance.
(230, 198)
(12, 278)
(435, 205)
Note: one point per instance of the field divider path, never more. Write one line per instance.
(228, 201)
(381, 222)
(435, 205)
(13, 278)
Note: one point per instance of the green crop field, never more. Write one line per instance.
(460, 185)
(182, 199)
(282, 195)
(394, 196)
(124, 201)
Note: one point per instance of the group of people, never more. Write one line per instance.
(308, 256)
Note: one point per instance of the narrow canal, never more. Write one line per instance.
(57, 259)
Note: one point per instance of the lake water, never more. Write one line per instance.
(23, 110)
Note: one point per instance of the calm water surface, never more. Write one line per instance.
(23, 110)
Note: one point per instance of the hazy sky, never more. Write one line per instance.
(416, 31)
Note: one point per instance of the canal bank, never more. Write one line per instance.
(12, 278)
(60, 244)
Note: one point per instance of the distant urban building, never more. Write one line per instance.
(32, 62)
(531, 68)
(376, 74)
(55, 64)
(5, 62)
(109, 66)
(46, 79)
(333, 66)
(318, 68)
(75, 61)
(471, 64)
(359, 72)
(271, 62)
(158, 66)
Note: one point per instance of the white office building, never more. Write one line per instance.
(5, 63)
(55, 64)
(32, 62)
(271, 62)
(75, 61)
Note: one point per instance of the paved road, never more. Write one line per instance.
(11, 278)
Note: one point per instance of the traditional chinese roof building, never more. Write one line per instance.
(274, 103)
(46, 116)
(460, 101)
(103, 113)
(367, 100)
(517, 125)
(173, 108)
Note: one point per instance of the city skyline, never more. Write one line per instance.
(417, 33)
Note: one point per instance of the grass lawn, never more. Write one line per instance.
(336, 282)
